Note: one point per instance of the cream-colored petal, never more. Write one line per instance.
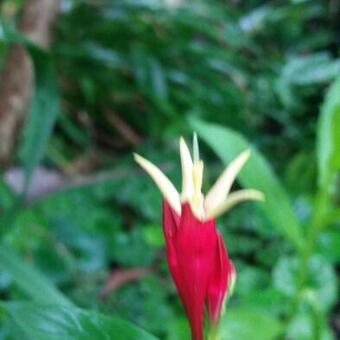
(233, 199)
(167, 189)
(198, 198)
(197, 176)
(195, 147)
(219, 191)
(186, 163)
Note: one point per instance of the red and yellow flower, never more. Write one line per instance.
(197, 257)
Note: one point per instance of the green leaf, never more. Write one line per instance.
(312, 69)
(44, 105)
(256, 174)
(243, 323)
(29, 280)
(42, 114)
(40, 322)
(7, 196)
(328, 136)
(10, 204)
(329, 244)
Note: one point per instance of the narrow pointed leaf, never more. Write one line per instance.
(44, 107)
(29, 280)
(328, 136)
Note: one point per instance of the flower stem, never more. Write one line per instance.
(214, 333)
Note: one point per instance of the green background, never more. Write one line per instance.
(257, 74)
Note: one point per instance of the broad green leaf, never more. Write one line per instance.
(328, 136)
(29, 280)
(41, 322)
(256, 174)
(244, 323)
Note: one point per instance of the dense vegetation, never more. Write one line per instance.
(134, 75)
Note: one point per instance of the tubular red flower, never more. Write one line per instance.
(221, 281)
(196, 254)
(198, 263)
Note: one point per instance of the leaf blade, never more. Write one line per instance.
(257, 174)
(29, 280)
(328, 136)
(42, 322)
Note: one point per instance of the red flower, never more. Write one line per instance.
(197, 256)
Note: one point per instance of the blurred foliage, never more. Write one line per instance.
(134, 75)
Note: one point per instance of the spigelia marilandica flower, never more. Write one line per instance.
(197, 257)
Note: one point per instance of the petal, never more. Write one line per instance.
(167, 189)
(218, 193)
(232, 200)
(186, 163)
(222, 275)
(195, 244)
(170, 226)
(195, 147)
(171, 221)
